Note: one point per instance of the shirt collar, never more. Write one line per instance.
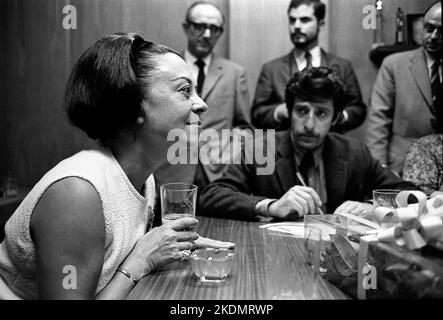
(299, 55)
(430, 61)
(316, 153)
(191, 59)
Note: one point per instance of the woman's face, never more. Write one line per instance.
(172, 102)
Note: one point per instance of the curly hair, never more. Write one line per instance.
(315, 84)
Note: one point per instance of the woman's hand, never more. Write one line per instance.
(160, 246)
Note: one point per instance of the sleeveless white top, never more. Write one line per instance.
(127, 216)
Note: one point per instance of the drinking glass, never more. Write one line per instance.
(385, 198)
(178, 200)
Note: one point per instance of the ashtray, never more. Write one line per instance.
(212, 265)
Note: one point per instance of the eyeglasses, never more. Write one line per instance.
(200, 28)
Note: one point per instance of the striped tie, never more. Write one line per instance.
(435, 83)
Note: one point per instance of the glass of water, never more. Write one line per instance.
(178, 200)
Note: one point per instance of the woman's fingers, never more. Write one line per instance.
(186, 236)
(182, 223)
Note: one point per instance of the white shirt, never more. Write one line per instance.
(300, 57)
(191, 59)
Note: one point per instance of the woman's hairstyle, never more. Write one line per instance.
(316, 85)
(109, 82)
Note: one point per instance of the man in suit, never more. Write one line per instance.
(315, 170)
(221, 83)
(403, 98)
(305, 20)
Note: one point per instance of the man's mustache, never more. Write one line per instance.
(298, 33)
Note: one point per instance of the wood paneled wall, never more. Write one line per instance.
(36, 56)
(348, 38)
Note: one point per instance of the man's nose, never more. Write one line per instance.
(436, 34)
(310, 121)
(207, 33)
(297, 24)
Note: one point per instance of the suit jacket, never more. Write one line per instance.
(271, 86)
(351, 173)
(400, 107)
(225, 91)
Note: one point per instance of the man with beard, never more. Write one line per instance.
(404, 98)
(305, 17)
(221, 83)
(315, 170)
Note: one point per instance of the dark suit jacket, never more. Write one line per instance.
(400, 107)
(351, 174)
(271, 85)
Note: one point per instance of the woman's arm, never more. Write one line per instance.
(68, 229)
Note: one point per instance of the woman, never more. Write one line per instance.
(81, 231)
(424, 160)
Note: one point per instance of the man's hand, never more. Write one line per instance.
(354, 207)
(281, 113)
(295, 203)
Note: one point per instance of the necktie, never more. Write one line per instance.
(201, 75)
(306, 163)
(308, 59)
(435, 83)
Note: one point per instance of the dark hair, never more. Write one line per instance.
(431, 6)
(192, 6)
(319, 7)
(109, 82)
(316, 85)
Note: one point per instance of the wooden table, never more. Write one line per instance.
(266, 266)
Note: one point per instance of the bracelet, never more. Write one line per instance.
(128, 275)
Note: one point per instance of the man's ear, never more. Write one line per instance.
(321, 23)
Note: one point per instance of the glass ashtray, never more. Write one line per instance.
(212, 265)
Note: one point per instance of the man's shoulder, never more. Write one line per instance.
(226, 63)
(277, 62)
(401, 57)
(336, 60)
(346, 143)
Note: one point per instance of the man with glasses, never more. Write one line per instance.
(221, 83)
(403, 102)
(305, 19)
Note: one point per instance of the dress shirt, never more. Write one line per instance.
(300, 57)
(191, 59)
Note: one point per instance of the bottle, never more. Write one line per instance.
(400, 27)
(378, 32)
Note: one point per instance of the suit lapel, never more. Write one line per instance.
(214, 74)
(419, 72)
(324, 59)
(335, 171)
(285, 165)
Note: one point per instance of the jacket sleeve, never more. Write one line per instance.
(354, 105)
(381, 112)
(265, 103)
(242, 113)
(230, 196)
(381, 177)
